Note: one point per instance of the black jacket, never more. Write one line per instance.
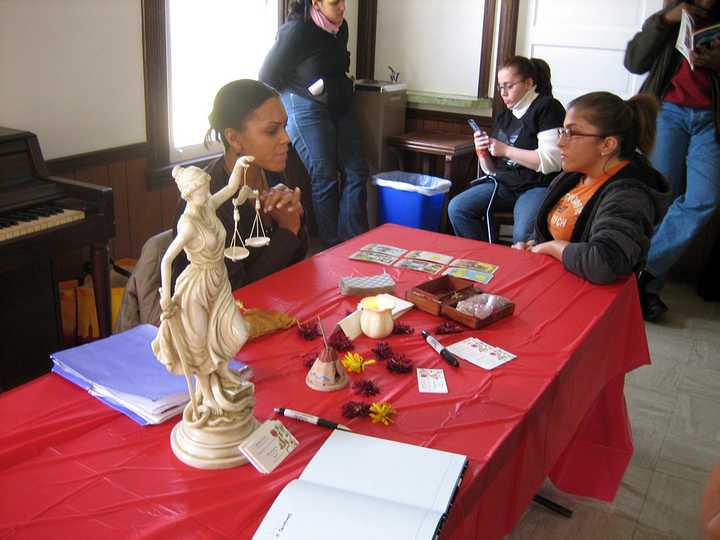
(653, 49)
(304, 53)
(612, 234)
(284, 249)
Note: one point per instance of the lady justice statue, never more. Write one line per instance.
(201, 329)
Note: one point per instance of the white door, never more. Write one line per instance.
(584, 42)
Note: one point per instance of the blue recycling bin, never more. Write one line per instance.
(411, 199)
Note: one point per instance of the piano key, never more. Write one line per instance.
(24, 226)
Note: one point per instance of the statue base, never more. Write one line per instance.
(212, 444)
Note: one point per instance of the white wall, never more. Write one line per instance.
(435, 46)
(71, 71)
(351, 16)
(584, 42)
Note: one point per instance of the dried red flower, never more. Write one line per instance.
(309, 359)
(400, 328)
(309, 330)
(365, 387)
(383, 350)
(399, 363)
(355, 409)
(449, 328)
(339, 341)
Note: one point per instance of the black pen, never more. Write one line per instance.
(449, 357)
(309, 418)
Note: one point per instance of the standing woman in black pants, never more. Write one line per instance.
(308, 65)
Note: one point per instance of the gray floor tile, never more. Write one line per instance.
(688, 458)
(662, 375)
(696, 417)
(700, 382)
(672, 506)
(704, 354)
(650, 415)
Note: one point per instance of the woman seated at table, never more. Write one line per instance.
(249, 118)
(521, 154)
(599, 213)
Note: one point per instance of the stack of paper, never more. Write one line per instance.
(122, 372)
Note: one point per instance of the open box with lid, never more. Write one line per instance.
(440, 296)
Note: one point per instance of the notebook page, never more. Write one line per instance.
(305, 511)
(398, 472)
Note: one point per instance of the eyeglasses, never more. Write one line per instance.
(507, 87)
(569, 133)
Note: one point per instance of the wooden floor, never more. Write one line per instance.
(674, 407)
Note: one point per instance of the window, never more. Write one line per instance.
(209, 44)
(190, 49)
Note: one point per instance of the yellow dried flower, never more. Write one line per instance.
(355, 363)
(381, 412)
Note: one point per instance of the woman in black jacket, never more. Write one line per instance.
(688, 134)
(600, 212)
(308, 65)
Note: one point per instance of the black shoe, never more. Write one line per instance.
(652, 307)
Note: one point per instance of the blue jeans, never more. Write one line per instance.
(686, 152)
(325, 144)
(467, 210)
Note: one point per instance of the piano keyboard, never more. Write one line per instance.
(30, 220)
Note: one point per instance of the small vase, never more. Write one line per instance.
(376, 317)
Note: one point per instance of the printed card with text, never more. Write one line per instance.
(268, 446)
(373, 257)
(481, 354)
(429, 256)
(383, 248)
(475, 265)
(431, 381)
(420, 266)
(466, 273)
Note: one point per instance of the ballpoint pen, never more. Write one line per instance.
(309, 418)
(449, 357)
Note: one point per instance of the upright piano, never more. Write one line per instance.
(41, 218)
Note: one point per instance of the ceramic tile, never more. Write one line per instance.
(648, 533)
(701, 382)
(696, 417)
(704, 354)
(672, 506)
(650, 414)
(586, 523)
(662, 375)
(688, 458)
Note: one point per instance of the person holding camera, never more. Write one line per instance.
(687, 152)
(521, 153)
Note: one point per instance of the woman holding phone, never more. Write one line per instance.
(521, 153)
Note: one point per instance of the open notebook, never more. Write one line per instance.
(358, 487)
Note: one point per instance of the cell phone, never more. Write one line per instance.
(474, 126)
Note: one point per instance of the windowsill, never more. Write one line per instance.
(450, 103)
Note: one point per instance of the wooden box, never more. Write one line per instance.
(440, 297)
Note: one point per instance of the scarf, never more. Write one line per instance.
(323, 22)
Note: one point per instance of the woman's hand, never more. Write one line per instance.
(167, 305)
(554, 248)
(524, 246)
(482, 141)
(497, 148)
(284, 206)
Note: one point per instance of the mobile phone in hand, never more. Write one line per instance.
(474, 126)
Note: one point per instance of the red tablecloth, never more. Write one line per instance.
(71, 467)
